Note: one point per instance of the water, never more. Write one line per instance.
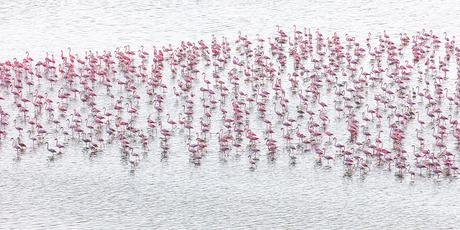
(102, 192)
(40, 26)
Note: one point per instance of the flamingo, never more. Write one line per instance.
(250, 92)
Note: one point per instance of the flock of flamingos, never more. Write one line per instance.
(386, 103)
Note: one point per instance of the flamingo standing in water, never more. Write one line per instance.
(370, 97)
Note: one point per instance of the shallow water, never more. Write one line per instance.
(101, 192)
(47, 25)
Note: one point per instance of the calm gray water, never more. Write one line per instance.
(102, 193)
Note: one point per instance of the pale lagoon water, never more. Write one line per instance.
(78, 192)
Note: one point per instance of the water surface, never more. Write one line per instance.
(102, 193)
